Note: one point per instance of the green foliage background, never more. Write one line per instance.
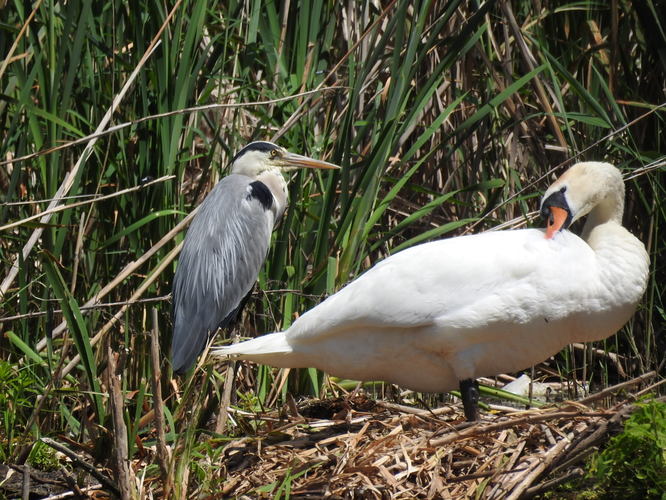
(446, 116)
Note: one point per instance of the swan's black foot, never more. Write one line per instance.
(470, 397)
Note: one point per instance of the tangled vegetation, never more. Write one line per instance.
(634, 463)
(447, 117)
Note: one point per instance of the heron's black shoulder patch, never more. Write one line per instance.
(259, 191)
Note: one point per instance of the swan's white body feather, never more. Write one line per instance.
(460, 308)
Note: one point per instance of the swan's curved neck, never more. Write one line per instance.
(623, 262)
(609, 209)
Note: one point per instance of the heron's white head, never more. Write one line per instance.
(587, 187)
(262, 156)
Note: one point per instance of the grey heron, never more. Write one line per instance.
(440, 314)
(226, 245)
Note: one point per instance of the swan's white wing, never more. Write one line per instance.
(452, 310)
(444, 311)
(463, 282)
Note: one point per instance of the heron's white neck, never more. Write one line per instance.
(277, 184)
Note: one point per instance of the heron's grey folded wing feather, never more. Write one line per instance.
(223, 252)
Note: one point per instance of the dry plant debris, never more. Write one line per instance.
(368, 449)
(355, 447)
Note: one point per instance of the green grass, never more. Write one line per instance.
(634, 463)
(631, 466)
(442, 123)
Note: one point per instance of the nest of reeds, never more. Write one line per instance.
(354, 447)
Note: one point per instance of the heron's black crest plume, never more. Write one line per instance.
(263, 146)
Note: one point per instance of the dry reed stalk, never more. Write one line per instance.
(124, 473)
(162, 453)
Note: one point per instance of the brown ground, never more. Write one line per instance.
(354, 447)
(384, 450)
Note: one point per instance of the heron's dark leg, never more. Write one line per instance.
(470, 398)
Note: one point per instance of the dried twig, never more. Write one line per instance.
(127, 271)
(194, 109)
(25, 490)
(124, 474)
(227, 391)
(81, 463)
(538, 466)
(85, 309)
(68, 494)
(480, 428)
(162, 454)
(538, 86)
(615, 388)
(96, 199)
(549, 485)
(395, 452)
(9, 55)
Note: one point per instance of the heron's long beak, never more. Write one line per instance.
(292, 160)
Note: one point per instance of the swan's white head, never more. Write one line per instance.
(589, 187)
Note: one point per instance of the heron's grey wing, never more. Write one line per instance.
(223, 252)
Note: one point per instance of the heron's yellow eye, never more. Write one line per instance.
(274, 153)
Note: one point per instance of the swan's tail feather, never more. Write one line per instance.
(258, 349)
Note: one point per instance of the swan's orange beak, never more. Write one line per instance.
(556, 219)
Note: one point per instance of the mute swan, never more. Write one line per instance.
(443, 313)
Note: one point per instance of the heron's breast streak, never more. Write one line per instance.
(259, 191)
